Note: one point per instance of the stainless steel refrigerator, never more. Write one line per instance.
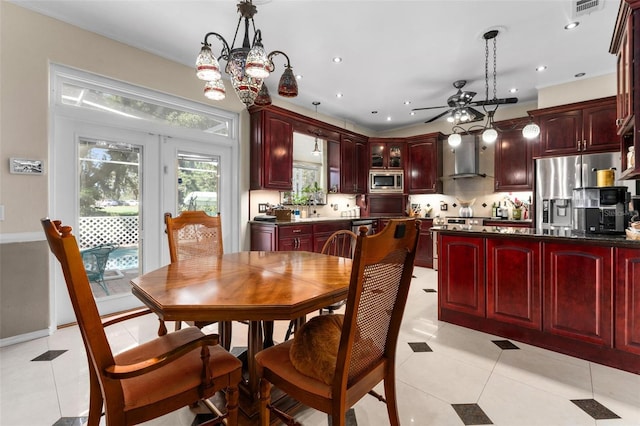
(557, 177)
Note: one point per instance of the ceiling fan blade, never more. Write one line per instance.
(496, 102)
(477, 115)
(438, 116)
(434, 107)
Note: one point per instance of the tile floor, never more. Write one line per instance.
(446, 375)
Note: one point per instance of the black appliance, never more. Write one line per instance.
(601, 210)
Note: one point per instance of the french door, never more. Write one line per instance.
(114, 186)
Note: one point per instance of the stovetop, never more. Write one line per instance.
(457, 220)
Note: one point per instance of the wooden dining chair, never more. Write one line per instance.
(380, 279)
(193, 234)
(149, 380)
(341, 243)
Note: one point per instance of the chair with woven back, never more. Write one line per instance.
(193, 234)
(342, 244)
(380, 278)
(150, 380)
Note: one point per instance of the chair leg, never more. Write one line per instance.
(267, 327)
(162, 328)
(232, 405)
(264, 400)
(390, 396)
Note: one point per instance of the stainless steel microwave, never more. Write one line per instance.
(381, 181)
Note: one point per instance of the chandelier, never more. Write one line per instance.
(247, 65)
(490, 130)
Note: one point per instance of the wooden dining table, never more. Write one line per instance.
(251, 286)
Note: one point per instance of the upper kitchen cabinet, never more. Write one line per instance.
(385, 153)
(424, 158)
(625, 44)
(271, 148)
(582, 127)
(513, 158)
(353, 161)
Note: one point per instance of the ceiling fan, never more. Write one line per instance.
(461, 105)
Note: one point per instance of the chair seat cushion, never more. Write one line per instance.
(179, 376)
(315, 347)
(275, 365)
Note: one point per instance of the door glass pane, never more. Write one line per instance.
(109, 219)
(198, 187)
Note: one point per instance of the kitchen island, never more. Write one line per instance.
(570, 292)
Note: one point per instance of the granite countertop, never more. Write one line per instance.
(619, 240)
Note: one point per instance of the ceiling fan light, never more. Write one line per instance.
(454, 140)
(490, 135)
(531, 131)
(207, 66)
(450, 118)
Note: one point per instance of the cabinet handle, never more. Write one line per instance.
(618, 121)
(578, 146)
(584, 145)
(296, 231)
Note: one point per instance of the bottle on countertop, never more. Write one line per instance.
(505, 211)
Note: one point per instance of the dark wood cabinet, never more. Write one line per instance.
(513, 158)
(514, 282)
(424, 158)
(625, 44)
(353, 163)
(424, 252)
(627, 296)
(461, 288)
(386, 153)
(578, 292)
(334, 166)
(294, 236)
(322, 232)
(386, 205)
(582, 127)
(271, 151)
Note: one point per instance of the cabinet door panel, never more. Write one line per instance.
(424, 252)
(462, 289)
(278, 157)
(514, 282)
(628, 300)
(561, 133)
(599, 128)
(513, 162)
(425, 166)
(579, 308)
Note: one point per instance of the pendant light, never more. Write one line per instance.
(247, 65)
(316, 150)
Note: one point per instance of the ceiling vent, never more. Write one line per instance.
(585, 7)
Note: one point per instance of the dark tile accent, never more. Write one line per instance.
(349, 417)
(484, 204)
(471, 414)
(202, 418)
(420, 347)
(595, 409)
(71, 421)
(454, 205)
(505, 344)
(49, 355)
(430, 290)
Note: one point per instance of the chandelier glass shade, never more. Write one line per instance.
(531, 130)
(247, 66)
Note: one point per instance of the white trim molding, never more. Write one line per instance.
(21, 237)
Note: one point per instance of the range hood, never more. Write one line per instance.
(466, 159)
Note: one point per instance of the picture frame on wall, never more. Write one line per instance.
(25, 166)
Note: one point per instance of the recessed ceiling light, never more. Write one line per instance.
(580, 74)
(389, 118)
(374, 112)
(407, 102)
(513, 90)
(412, 113)
(337, 59)
(541, 68)
(571, 25)
(339, 95)
(298, 76)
